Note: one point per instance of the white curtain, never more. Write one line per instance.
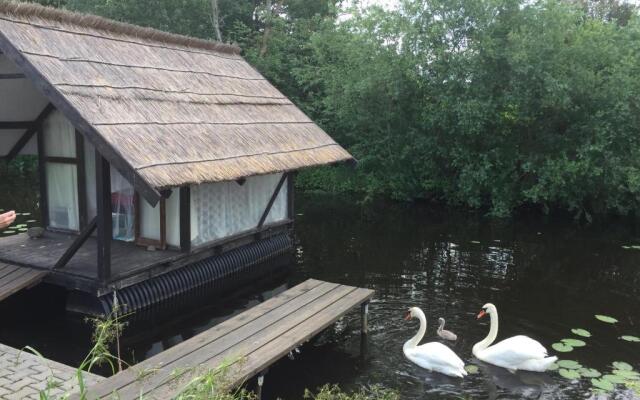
(62, 193)
(149, 220)
(59, 136)
(62, 179)
(173, 218)
(122, 207)
(90, 178)
(222, 209)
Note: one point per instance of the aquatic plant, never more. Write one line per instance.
(333, 392)
(606, 318)
(630, 338)
(581, 332)
(562, 347)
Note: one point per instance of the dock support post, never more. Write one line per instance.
(364, 330)
(260, 383)
(105, 230)
(364, 309)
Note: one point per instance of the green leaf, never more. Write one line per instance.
(574, 342)
(569, 364)
(581, 332)
(569, 373)
(31, 221)
(614, 378)
(633, 375)
(472, 369)
(622, 365)
(561, 347)
(602, 384)
(589, 372)
(22, 229)
(8, 232)
(553, 367)
(606, 318)
(630, 338)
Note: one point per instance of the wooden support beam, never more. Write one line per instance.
(11, 76)
(34, 127)
(15, 124)
(105, 230)
(71, 251)
(290, 195)
(272, 199)
(185, 219)
(42, 178)
(82, 180)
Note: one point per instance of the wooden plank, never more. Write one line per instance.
(34, 127)
(79, 122)
(240, 342)
(123, 378)
(283, 178)
(262, 357)
(313, 319)
(24, 281)
(11, 76)
(18, 272)
(291, 195)
(15, 124)
(9, 270)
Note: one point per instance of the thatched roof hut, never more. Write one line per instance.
(164, 109)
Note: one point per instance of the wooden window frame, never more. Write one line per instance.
(143, 241)
(79, 162)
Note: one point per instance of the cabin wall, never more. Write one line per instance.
(25, 104)
(223, 209)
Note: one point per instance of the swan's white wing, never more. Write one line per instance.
(512, 352)
(436, 354)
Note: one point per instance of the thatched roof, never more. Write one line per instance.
(176, 110)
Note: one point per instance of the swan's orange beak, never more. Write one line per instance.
(407, 316)
(481, 314)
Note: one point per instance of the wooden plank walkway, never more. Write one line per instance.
(249, 342)
(14, 278)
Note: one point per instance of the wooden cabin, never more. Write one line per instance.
(157, 153)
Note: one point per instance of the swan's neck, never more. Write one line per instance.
(441, 326)
(493, 333)
(413, 342)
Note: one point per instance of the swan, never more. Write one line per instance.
(433, 356)
(516, 353)
(445, 334)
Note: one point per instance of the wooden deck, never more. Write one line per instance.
(14, 278)
(249, 342)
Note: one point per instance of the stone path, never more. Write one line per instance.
(23, 375)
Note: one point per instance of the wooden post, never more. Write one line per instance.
(82, 184)
(185, 219)
(272, 200)
(42, 177)
(104, 218)
(260, 384)
(364, 309)
(290, 195)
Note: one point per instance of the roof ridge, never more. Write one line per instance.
(111, 26)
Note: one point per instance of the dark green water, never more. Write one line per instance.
(546, 276)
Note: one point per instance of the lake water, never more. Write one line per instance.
(546, 276)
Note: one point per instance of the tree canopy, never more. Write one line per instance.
(490, 104)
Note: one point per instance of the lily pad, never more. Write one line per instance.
(622, 366)
(589, 372)
(632, 375)
(606, 318)
(553, 367)
(630, 338)
(31, 221)
(9, 232)
(581, 332)
(472, 369)
(614, 378)
(569, 364)
(602, 384)
(22, 229)
(569, 373)
(574, 342)
(561, 347)
(25, 214)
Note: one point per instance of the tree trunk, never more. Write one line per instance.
(215, 18)
(267, 29)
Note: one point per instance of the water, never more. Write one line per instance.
(546, 276)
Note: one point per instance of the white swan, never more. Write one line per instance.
(432, 356)
(516, 353)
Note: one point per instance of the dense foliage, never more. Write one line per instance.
(492, 104)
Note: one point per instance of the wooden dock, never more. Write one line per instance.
(248, 343)
(14, 278)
